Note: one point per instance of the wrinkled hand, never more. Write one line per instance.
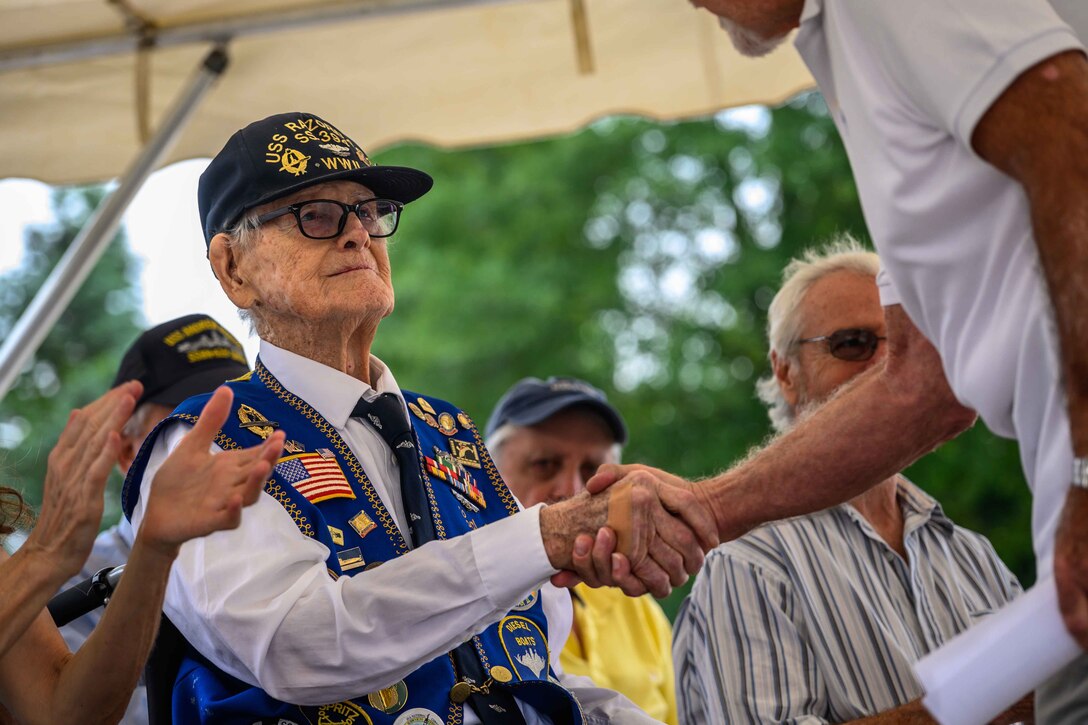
(1071, 564)
(657, 532)
(75, 478)
(195, 491)
(610, 473)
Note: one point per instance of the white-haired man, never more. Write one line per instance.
(819, 618)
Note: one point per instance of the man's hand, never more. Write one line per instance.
(75, 478)
(656, 535)
(195, 491)
(1071, 564)
(610, 473)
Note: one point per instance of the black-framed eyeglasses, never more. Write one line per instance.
(325, 218)
(855, 345)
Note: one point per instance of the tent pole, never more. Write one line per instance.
(79, 259)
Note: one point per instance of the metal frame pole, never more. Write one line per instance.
(78, 261)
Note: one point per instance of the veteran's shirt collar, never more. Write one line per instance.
(330, 392)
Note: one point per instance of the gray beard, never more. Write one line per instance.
(748, 43)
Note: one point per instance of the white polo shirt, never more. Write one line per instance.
(906, 83)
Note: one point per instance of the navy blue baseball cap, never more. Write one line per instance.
(532, 400)
(283, 154)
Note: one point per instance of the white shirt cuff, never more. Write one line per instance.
(510, 557)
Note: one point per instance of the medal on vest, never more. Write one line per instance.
(362, 523)
(418, 716)
(254, 422)
(350, 558)
(465, 453)
(446, 425)
(446, 468)
(389, 699)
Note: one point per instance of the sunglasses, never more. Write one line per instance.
(853, 345)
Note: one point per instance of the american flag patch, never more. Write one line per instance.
(315, 477)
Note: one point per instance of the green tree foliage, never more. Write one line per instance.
(79, 358)
(637, 255)
(642, 257)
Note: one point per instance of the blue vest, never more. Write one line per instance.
(319, 482)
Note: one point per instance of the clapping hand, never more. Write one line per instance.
(196, 492)
(75, 478)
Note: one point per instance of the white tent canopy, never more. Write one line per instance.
(73, 86)
(95, 89)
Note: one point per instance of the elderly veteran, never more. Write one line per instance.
(387, 575)
(819, 618)
(548, 437)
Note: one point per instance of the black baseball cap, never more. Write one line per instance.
(182, 358)
(285, 153)
(532, 400)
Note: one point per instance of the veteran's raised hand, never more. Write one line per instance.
(197, 492)
(75, 479)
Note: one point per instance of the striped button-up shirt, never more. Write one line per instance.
(816, 619)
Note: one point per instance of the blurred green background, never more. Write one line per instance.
(638, 255)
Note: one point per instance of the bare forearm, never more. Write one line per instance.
(101, 676)
(885, 419)
(27, 581)
(1061, 231)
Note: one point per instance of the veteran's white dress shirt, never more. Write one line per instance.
(259, 603)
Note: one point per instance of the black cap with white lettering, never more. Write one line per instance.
(283, 154)
(182, 358)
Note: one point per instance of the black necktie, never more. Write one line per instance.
(387, 416)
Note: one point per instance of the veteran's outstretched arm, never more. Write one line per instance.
(1036, 132)
(197, 493)
(879, 423)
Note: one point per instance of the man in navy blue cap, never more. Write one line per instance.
(548, 437)
(388, 576)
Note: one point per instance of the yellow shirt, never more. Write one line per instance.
(624, 644)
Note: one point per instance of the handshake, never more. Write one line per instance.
(635, 527)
